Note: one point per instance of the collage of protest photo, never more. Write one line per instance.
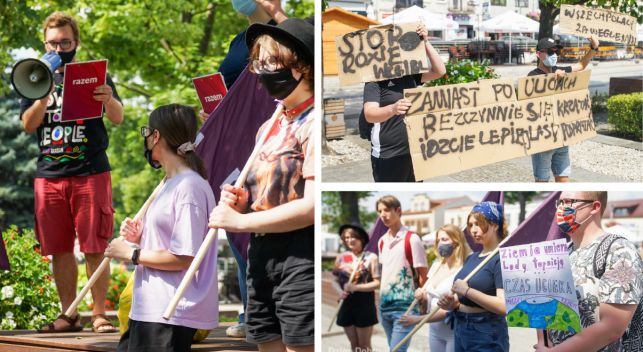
(321, 175)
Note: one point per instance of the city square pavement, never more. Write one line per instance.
(600, 159)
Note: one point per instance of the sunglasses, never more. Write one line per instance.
(146, 131)
(550, 51)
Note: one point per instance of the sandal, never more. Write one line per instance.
(71, 325)
(106, 325)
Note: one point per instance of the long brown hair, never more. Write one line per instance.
(177, 124)
(460, 244)
(484, 224)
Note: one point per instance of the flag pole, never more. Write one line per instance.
(105, 263)
(466, 279)
(212, 233)
(350, 280)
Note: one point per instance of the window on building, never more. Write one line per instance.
(498, 2)
(522, 3)
(625, 211)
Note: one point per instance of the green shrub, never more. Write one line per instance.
(464, 71)
(599, 103)
(625, 113)
(28, 297)
(118, 279)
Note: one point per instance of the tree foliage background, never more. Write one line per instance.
(340, 208)
(154, 49)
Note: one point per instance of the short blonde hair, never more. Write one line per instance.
(460, 244)
(60, 19)
(600, 196)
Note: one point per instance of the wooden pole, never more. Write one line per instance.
(467, 278)
(105, 263)
(212, 233)
(350, 280)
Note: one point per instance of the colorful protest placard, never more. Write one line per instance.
(605, 25)
(539, 287)
(380, 53)
(78, 90)
(211, 89)
(458, 127)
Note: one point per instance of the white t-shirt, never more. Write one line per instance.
(177, 220)
(397, 290)
(433, 294)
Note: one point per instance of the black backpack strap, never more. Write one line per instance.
(603, 250)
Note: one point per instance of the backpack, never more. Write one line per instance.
(365, 127)
(632, 339)
(408, 253)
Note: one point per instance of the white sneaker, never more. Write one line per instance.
(238, 330)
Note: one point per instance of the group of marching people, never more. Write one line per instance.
(275, 202)
(462, 292)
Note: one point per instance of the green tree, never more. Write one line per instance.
(522, 198)
(343, 207)
(154, 49)
(549, 9)
(17, 167)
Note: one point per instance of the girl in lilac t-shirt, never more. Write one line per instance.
(169, 236)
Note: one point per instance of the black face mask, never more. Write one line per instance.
(148, 156)
(66, 57)
(280, 83)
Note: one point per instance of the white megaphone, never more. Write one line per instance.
(33, 78)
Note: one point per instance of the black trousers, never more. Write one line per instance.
(155, 337)
(395, 169)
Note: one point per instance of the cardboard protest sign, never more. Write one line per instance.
(539, 288)
(543, 85)
(380, 53)
(487, 124)
(605, 25)
(211, 89)
(78, 90)
(459, 96)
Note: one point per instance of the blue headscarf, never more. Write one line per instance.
(491, 210)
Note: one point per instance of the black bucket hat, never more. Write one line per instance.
(298, 32)
(359, 229)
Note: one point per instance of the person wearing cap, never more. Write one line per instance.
(357, 314)
(384, 107)
(404, 269)
(276, 202)
(169, 235)
(556, 160)
(478, 307)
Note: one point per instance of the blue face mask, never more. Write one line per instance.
(244, 7)
(550, 60)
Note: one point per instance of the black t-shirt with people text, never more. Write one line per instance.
(71, 148)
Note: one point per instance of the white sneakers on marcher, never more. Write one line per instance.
(238, 330)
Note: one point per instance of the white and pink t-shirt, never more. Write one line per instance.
(177, 220)
(396, 288)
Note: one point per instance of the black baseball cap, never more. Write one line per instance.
(547, 43)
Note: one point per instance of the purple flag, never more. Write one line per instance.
(493, 196)
(377, 231)
(539, 226)
(4, 260)
(229, 136)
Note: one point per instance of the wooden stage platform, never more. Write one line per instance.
(31, 341)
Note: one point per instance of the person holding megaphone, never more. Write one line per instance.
(72, 188)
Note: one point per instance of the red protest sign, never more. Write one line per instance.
(211, 89)
(78, 90)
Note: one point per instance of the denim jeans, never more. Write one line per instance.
(241, 275)
(395, 331)
(556, 160)
(480, 332)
